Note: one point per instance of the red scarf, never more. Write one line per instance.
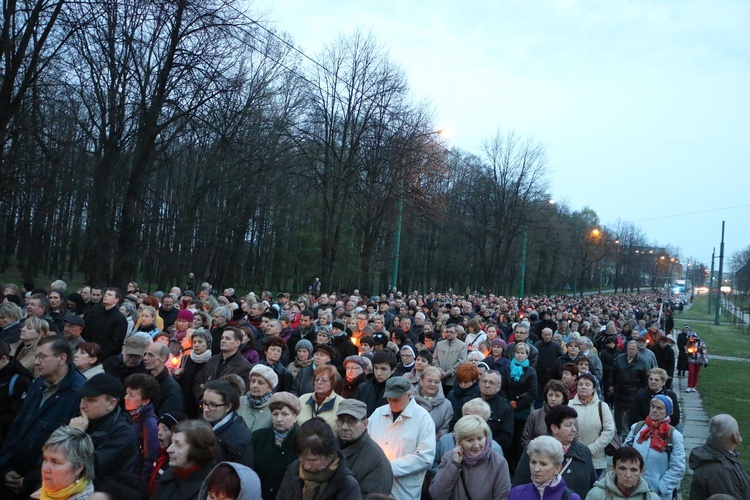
(181, 474)
(657, 431)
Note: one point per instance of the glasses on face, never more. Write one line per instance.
(321, 381)
(42, 356)
(213, 406)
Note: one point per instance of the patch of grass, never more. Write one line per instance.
(725, 388)
(698, 311)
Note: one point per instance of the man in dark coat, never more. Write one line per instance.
(229, 360)
(170, 393)
(130, 361)
(501, 413)
(108, 424)
(306, 330)
(371, 392)
(629, 376)
(369, 465)
(548, 353)
(716, 466)
(10, 322)
(107, 326)
(50, 402)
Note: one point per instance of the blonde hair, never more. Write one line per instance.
(471, 425)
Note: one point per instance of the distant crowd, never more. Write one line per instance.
(107, 393)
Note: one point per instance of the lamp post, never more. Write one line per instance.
(721, 270)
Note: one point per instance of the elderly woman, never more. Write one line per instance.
(408, 356)
(472, 469)
(201, 319)
(254, 405)
(624, 480)
(221, 399)
(192, 456)
(33, 330)
(191, 366)
(661, 446)
(596, 426)
(88, 359)
(354, 376)
(273, 446)
(657, 379)
(465, 388)
(320, 472)
(67, 465)
(544, 469)
(322, 402)
(577, 469)
(429, 395)
(520, 387)
(555, 393)
(130, 311)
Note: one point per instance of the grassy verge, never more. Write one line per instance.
(722, 340)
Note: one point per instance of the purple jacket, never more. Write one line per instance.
(529, 492)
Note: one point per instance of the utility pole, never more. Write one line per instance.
(711, 280)
(721, 269)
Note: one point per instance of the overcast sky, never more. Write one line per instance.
(643, 106)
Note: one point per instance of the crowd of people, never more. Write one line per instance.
(192, 394)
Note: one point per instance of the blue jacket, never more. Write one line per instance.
(662, 471)
(32, 426)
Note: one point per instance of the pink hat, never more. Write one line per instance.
(186, 315)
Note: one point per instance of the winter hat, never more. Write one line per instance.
(267, 373)
(186, 315)
(500, 342)
(667, 402)
(304, 344)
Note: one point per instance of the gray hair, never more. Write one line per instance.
(77, 447)
(132, 312)
(224, 312)
(475, 354)
(205, 335)
(326, 312)
(524, 325)
(477, 406)
(59, 285)
(152, 310)
(722, 427)
(11, 310)
(548, 447)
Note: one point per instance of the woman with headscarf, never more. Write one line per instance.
(661, 446)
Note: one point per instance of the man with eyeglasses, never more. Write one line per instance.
(521, 334)
(51, 402)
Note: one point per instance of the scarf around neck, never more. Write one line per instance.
(63, 494)
(472, 461)
(316, 482)
(200, 358)
(516, 369)
(657, 431)
(258, 402)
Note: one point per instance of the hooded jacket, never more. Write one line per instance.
(606, 489)
(716, 470)
(249, 483)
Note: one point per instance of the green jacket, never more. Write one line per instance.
(606, 489)
(271, 461)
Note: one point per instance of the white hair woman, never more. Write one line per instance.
(67, 465)
(546, 464)
(471, 469)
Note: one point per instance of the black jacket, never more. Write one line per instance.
(371, 394)
(171, 488)
(458, 397)
(341, 486)
(234, 441)
(346, 389)
(115, 446)
(116, 367)
(169, 317)
(106, 327)
(15, 380)
(629, 378)
(285, 376)
(545, 363)
(170, 395)
(298, 334)
(716, 470)
(500, 422)
(186, 379)
(12, 333)
(237, 364)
